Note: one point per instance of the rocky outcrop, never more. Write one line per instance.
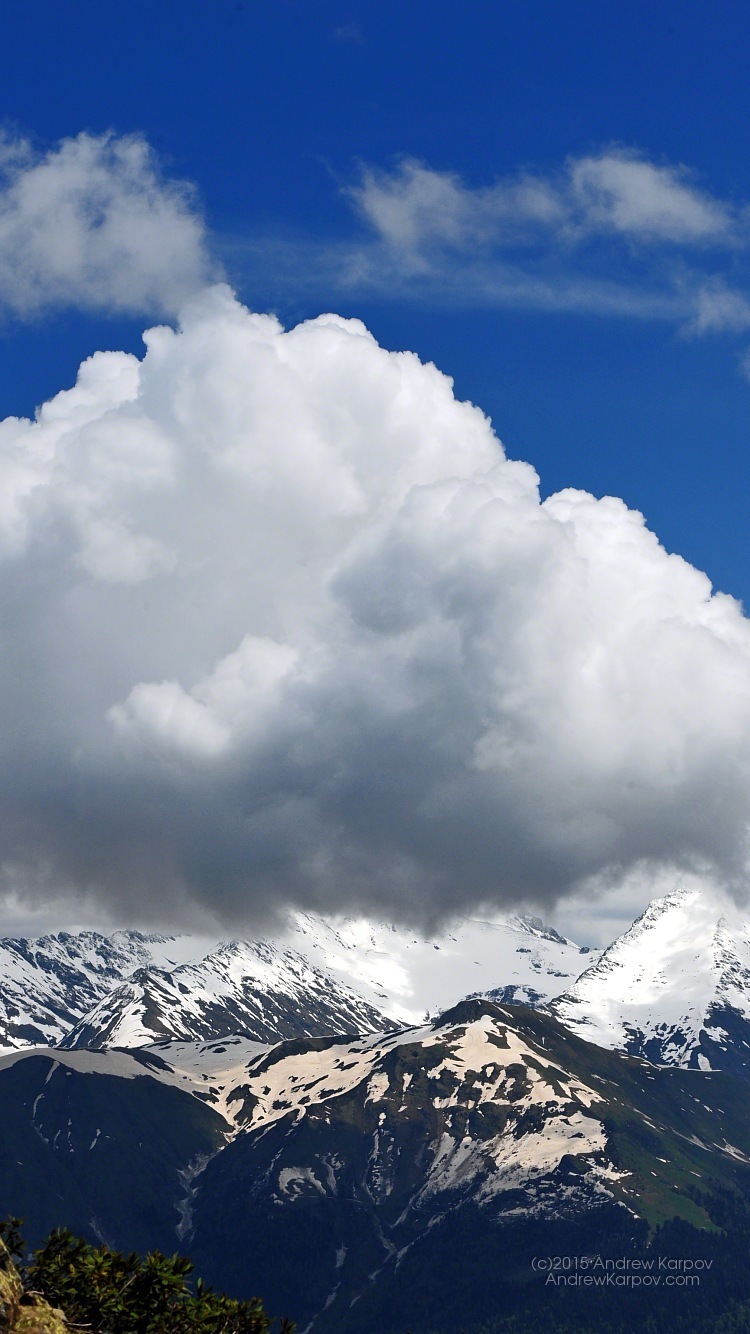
(24, 1312)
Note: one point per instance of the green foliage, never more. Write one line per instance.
(104, 1290)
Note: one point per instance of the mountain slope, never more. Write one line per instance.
(674, 988)
(103, 1143)
(426, 1148)
(373, 1184)
(47, 984)
(405, 974)
(128, 989)
(255, 990)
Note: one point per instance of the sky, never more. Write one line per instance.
(284, 620)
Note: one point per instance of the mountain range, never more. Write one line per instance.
(352, 1180)
(313, 978)
(304, 1118)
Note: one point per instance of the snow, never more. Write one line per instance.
(407, 975)
(673, 975)
(254, 987)
(254, 1086)
(188, 1177)
(292, 1181)
(377, 1087)
(689, 952)
(50, 982)
(130, 989)
(282, 1084)
(117, 1063)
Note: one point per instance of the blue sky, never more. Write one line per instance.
(274, 108)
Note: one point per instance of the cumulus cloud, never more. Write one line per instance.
(285, 625)
(93, 224)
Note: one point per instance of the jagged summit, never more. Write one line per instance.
(313, 976)
(673, 987)
(47, 984)
(255, 990)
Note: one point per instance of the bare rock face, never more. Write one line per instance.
(37, 1317)
(21, 1312)
(11, 1290)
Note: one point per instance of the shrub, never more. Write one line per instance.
(130, 1294)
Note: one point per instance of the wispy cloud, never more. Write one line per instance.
(718, 309)
(93, 222)
(619, 192)
(616, 193)
(606, 233)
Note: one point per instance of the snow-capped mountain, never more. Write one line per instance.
(257, 990)
(313, 976)
(675, 987)
(341, 1174)
(383, 1180)
(48, 984)
(510, 957)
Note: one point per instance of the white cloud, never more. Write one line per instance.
(604, 233)
(614, 192)
(719, 309)
(227, 708)
(621, 192)
(414, 206)
(93, 224)
(288, 625)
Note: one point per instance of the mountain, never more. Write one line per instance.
(675, 987)
(407, 1180)
(256, 990)
(402, 1180)
(312, 976)
(101, 1142)
(406, 974)
(48, 984)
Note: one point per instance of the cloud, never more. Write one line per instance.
(608, 233)
(93, 224)
(279, 266)
(285, 625)
(621, 192)
(718, 309)
(613, 193)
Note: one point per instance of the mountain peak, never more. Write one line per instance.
(662, 987)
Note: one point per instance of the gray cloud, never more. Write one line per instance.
(284, 624)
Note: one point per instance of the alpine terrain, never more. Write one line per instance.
(313, 978)
(273, 1109)
(369, 1184)
(674, 988)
